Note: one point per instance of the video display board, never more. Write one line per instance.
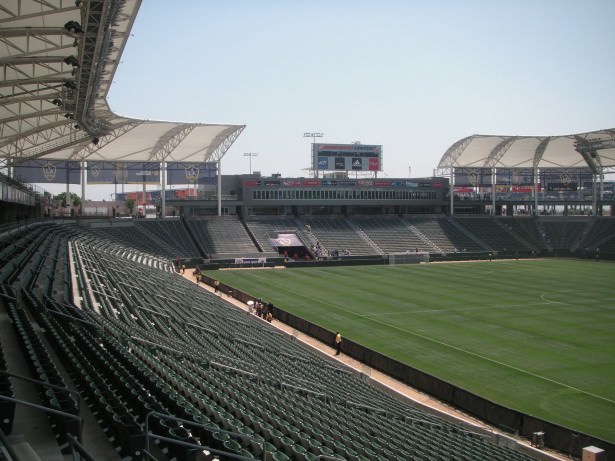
(346, 157)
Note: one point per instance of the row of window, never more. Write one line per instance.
(9, 193)
(328, 194)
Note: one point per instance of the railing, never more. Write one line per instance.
(78, 449)
(150, 435)
(7, 445)
(78, 419)
(46, 384)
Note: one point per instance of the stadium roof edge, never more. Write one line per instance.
(594, 150)
(59, 60)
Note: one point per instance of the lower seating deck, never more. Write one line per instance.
(159, 343)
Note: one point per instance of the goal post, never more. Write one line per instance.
(409, 257)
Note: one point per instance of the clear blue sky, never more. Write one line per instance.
(414, 76)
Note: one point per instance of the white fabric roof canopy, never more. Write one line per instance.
(594, 150)
(58, 59)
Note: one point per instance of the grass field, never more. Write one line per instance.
(534, 335)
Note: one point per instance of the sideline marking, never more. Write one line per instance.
(549, 301)
(459, 310)
(442, 343)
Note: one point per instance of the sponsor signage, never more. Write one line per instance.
(191, 173)
(48, 171)
(346, 157)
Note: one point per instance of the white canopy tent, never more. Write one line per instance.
(58, 60)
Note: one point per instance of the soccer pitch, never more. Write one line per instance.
(537, 336)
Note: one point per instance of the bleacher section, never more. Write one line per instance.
(599, 234)
(265, 227)
(564, 234)
(527, 228)
(392, 234)
(167, 238)
(222, 235)
(444, 235)
(493, 234)
(145, 346)
(336, 234)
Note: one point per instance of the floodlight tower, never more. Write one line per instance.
(313, 135)
(251, 154)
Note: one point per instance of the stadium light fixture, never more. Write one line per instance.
(313, 135)
(250, 154)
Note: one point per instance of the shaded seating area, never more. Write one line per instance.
(528, 229)
(599, 234)
(563, 234)
(443, 234)
(493, 234)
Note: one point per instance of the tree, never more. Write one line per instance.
(130, 204)
(74, 199)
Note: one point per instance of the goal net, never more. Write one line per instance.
(409, 258)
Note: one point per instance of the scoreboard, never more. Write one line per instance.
(346, 157)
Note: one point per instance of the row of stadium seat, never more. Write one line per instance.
(141, 339)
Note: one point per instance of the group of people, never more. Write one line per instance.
(318, 251)
(261, 309)
(181, 268)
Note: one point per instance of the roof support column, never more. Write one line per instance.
(67, 196)
(219, 187)
(82, 165)
(163, 192)
(492, 191)
(452, 190)
(535, 191)
(594, 195)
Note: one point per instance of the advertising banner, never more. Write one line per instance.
(473, 177)
(48, 171)
(191, 173)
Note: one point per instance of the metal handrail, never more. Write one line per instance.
(46, 384)
(7, 445)
(212, 429)
(77, 447)
(51, 411)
